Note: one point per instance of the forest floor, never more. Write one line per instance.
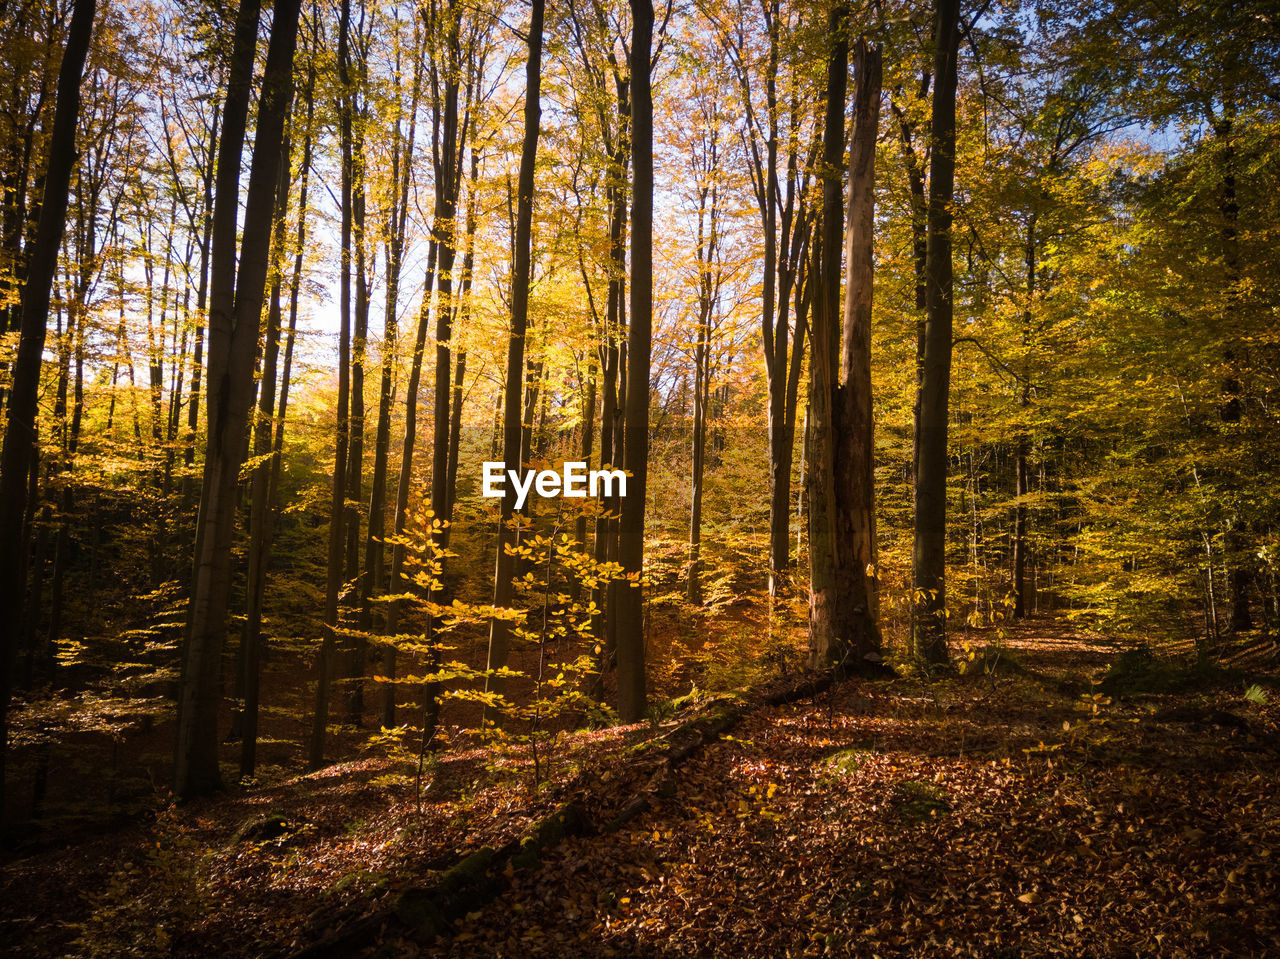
(1064, 796)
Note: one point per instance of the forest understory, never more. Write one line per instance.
(1060, 794)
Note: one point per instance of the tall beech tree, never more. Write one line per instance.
(843, 631)
(356, 105)
(338, 513)
(780, 183)
(237, 292)
(513, 390)
(609, 83)
(929, 558)
(269, 424)
(706, 168)
(395, 219)
(632, 697)
(444, 77)
(19, 452)
(447, 160)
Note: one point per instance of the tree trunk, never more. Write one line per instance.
(855, 446)
(914, 164)
(261, 436)
(329, 643)
(448, 162)
(235, 316)
(355, 646)
(397, 214)
(1235, 544)
(613, 360)
(1021, 476)
(843, 632)
(512, 432)
(632, 699)
(266, 476)
(19, 451)
(462, 312)
(709, 279)
(929, 639)
(587, 442)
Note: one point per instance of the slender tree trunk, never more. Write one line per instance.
(632, 699)
(774, 337)
(693, 586)
(329, 643)
(708, 291)
(356, 646)
(460, 371)
(929, 640)
(612, 360)
(19, 450)
(266, 475)
(235, 319)
(455, 437)
(202, 300)
(448, 175)
(512, 432)
(397, 214)
(919, 252)
(608, 403)
(406, 473)
(1022, 444)
(261, 439)
(1235, 549)
(587, 441)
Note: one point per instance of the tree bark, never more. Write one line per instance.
(612, 360)
(855, 448)
(19, 451)
(1021, 476)
(929, 636)
(843, 633)
(709, 279)
(234, 322)
(632, 699)
(397, 214)
(266, 476)
(329, 644)
(356, 646)
(512, 431)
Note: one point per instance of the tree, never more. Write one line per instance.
(513, 393)
(268, 446)
(632, 702)
(843, 632)
(706, 167)
(338, 513)
(929, 627)
(236, 299)
(608, 92)
(786, 223)
(395, 217)
(18, 455)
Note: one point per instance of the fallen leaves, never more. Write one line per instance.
(868, 825)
